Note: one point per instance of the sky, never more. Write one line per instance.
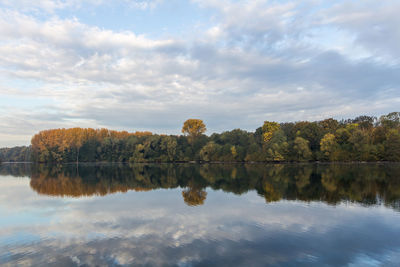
(151, 64)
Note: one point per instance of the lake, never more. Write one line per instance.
(200, 215)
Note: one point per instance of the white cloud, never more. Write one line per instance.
(374, 25)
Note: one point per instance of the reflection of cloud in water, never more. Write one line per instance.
(158, 228)
(335, 247)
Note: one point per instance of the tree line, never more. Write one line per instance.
(15, 154)
(365, 138)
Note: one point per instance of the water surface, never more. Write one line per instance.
(200, 215)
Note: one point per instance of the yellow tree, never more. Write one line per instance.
(329, 146)
(193, 128)
(269, 128)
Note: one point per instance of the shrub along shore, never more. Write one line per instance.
(364, 138)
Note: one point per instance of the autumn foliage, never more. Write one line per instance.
(193, 128)
(364, 138)
(53, 145)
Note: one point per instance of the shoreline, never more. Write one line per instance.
(203, 162)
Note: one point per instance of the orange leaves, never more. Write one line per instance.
(65, 139)
(193, 128)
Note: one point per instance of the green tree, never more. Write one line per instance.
(362, 148)
(301, 149)
(168, 145)
(310, 131)
(277, 148)
(365, 122)
(391, 120)
(329, 125)
(210, 151)
(392, 145)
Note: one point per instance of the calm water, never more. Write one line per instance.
(190, 215)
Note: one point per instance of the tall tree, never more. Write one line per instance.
(193, 128)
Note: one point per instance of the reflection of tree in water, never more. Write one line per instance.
(368, 184)
(194, 197)
(15, 169)
(329, 181)
(271, 195)
(65, 181)
(194, 194)
(303, 177)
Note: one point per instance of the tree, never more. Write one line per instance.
(328, 146)
(268, 129)
(277, 148)
(76, 138)
(301, 149)
(168, 148)
(311, 131)
(329, 125)
(392, 146)
(362, 149)
(365, 122)
(193, 128)
(391, 120)
(234, 152)
(15, 154)
(210, 151)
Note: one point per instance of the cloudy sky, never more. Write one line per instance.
(151, 64)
